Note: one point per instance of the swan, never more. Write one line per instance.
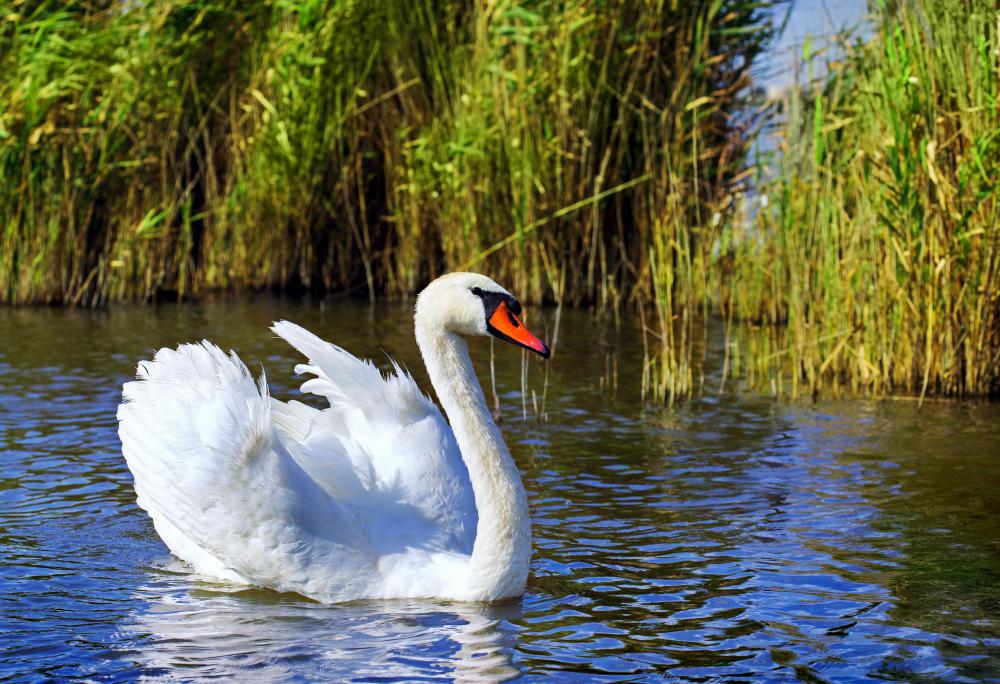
(375, 497)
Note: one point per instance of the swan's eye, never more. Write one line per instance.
(476, 291)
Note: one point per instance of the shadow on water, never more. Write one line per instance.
(728, 538)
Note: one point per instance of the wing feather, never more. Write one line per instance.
(409, 478)
(224, 494)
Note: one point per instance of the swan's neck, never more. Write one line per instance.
(502, 551)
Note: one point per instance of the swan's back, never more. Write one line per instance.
(382, 447)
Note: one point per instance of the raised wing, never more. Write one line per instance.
(223, 493)
(382, 448)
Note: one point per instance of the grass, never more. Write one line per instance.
(873, 268)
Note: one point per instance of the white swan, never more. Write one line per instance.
(373, 497)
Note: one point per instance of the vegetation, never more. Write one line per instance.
(874, 266)
(189, 144)
(588, 153)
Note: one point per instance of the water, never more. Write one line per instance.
(726, 539)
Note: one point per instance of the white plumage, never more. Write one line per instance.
(369, 498)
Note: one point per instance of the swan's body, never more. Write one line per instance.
(373, 497)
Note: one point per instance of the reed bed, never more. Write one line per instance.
(157, 149)
(585, 153)
(873, 266)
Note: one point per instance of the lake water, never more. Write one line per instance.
(725, 539)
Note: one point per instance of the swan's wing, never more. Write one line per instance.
(221, 490)
(407, 478)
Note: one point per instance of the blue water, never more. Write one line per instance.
(728, 538)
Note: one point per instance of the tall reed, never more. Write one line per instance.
(874, 265)
(590, 153)
(153, 149)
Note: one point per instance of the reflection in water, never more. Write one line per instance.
(725, 539)
(272, 638)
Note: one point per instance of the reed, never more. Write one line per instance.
(157, 149)
(109, 142)
(873, 267)
(588, 153)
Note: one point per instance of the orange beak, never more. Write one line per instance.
(507, 326)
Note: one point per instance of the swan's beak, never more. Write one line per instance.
(505, 325)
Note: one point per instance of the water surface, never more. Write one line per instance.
(726, 539)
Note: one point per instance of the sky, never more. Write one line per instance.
(813, 19)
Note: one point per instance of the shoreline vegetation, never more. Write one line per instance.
(587, 154)
(875, 264)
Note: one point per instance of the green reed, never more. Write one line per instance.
(589, 153)
(158, 149)
(873, 267)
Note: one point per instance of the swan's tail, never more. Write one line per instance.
(189, 426)
(222, 491)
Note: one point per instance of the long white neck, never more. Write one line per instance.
(502, 551)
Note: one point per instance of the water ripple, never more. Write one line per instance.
(726, 539)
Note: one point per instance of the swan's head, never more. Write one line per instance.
(472, 304)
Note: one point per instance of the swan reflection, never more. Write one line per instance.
(267, 637)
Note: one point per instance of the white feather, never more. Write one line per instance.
(406, 470)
